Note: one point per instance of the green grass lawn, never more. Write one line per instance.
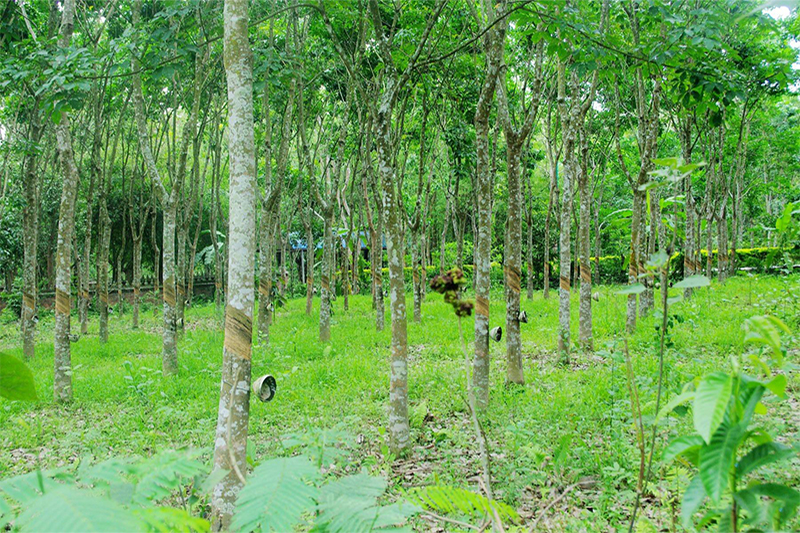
(569, 423)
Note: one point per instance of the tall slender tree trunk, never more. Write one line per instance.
(156, 258)
(309, 265)
(634, 258)
(102, 267)
(585, 336)
(722, 242)
(169, 201)
(513, 260)
(62, 363)
(494, 41)
(30, 234)
(326, 276)
(230, 443)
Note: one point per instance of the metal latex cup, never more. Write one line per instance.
(264, 388)
(496, 333)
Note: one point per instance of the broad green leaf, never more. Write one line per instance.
(675, 402)
(636, 288)
(693, 498)
(761, 455)
(69, 509)
(680, 446)
(16, 379)
(693, 282)
(710, 403)
(788, 498)
(716, 460)
(777, 386)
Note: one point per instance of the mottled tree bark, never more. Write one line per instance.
(30, 232)
(585, 336)
(104, 233)
(230, 443)
(493, 44)
(62, 379)
(269, 230)
(169, 201)
(515, 141)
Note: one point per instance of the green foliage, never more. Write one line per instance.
(16, 379)
(286, 492)
(277, 495)
(457, 501)
(70, 509)
(728, 450)
(114, 495)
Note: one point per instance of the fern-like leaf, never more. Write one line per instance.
(453, 500)
(276, 495)
(27, 487)
(350, 505)
(68, 510)
(163, 474)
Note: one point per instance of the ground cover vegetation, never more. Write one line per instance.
(372, 265)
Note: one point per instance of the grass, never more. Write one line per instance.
(568, 424)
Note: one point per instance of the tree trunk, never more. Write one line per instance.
(585, 336)
(156, 259)
(513, 261)
(722, 243)
(309, 265)
(104, 232)
(393, 226)
(137, 279)
(230, 444)
(30, 235)
(62, 379)
(633, 264)
(325, 278)
(494, 42)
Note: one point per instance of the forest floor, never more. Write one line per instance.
(570, 428)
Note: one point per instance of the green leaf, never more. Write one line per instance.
(451, 500)
(692, 282)
(710, 403)
(675, 402)
(169, 519)
(636, 288)
(276, 495)
(693, 498)
(350, 504)
(680, 446)
(16, 379)
(766, 330)
(777, 386)
(788, 498)
(69, 509)
(761, 455)
(716, 460)
(164, 473)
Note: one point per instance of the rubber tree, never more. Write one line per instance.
(646, 87)
(62, 361)
(516, 139)
(169, 198)
(493, 45)
(382, 107)
(230, 441)
(269, 200)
